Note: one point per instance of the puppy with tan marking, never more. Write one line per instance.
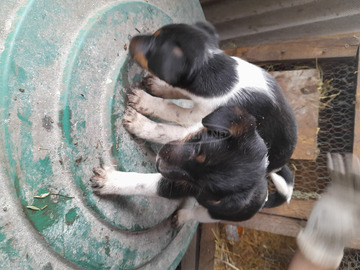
(240, 128)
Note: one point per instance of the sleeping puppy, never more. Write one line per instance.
(239, 129)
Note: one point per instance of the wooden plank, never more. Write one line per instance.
(338, 46)
(273, 224)
(190, 259)
(280, 225)
(286, 220)
(298, 209)
(207, 246)
(301, 90)
(226, 11)
(339, 26)
(356, 148)
(282, 18)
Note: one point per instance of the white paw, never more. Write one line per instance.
(140, 101)
(155, 86)
(180, 217)
(100, 180)
(133, 121)
(281, 186)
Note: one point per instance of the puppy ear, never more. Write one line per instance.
(231, 119)
(209, 29)
(168, 63)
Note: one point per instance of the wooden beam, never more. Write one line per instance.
(301, 90)
(297, 209)
(285, 219)
(207, 246)
(273, 224)
(190, 259)
(281, 225)
(339, 46)
(356, 148)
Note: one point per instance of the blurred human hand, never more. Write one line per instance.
(335, 218)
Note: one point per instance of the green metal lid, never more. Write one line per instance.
(64, 74)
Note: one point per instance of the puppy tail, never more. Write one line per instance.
(284, 183)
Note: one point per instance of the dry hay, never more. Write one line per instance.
(255, 250)
(325, 88)
(327, 92)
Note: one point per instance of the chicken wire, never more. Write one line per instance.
(335, 122)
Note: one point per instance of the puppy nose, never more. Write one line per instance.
(158, 161)
(161, 165)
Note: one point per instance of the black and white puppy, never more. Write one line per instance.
(240, 128)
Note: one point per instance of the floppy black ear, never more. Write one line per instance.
(233, 120)
(210, 29)
(168, 63)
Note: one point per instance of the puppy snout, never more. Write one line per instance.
(158, 164)
(167, 157)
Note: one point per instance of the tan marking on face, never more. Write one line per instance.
(242, 124)
(236, 129)
(200, 158)
(238, 111)
(157, 33)
(140, 58)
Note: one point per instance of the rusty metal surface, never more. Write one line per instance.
(64, 72)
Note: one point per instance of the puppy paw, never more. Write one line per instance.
(140, 101)
(132, 120)
(179, 218)
(155, 86)
(174, 220)
(100, 180)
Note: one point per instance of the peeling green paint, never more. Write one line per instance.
(73, 228)
(71, 216)
(7, 246)
(52, 214)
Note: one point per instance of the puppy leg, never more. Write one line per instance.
(107, 181)
(146, 129)
(164, 109)
(284, 182)
(160, 88)
(198, 213)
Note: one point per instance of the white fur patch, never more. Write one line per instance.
(266, 161)
(125, 183)
(282, 186)
(198, 213)
(249, 77)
